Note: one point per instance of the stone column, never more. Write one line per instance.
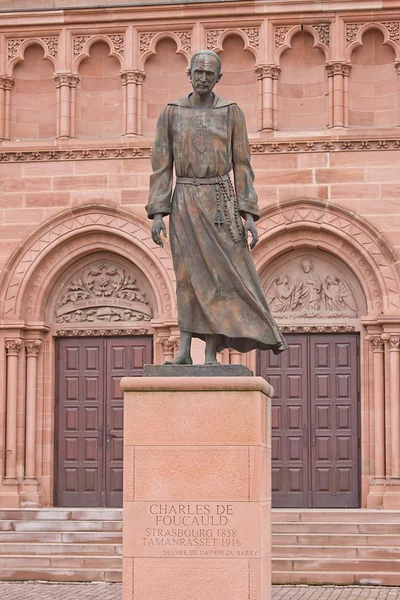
(338, 73)
(132, 82)
(65, 83)
(267, 97)
(170, 346)
(32, 348)
(379, 403)
(6, 84)
(394, 363)
(13, 347)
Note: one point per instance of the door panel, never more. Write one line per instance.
(286, 373)
(315, 421)
(80, 415)
(90, 416)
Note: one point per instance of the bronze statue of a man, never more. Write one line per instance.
(220, 299)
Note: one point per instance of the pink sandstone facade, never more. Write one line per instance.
(80, 92)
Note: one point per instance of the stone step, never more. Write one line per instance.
(329, 528)
(66, 526)
(316, 539)
(61, 514)
(361, 515)
(81, 537)
(64, 549)
(334, 578)
(18, 562)
(327, 564)
(60, 574)
(335, 552)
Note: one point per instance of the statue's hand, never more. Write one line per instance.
(250, 226)
(158, 227)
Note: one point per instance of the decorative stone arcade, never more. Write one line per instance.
(41, 303)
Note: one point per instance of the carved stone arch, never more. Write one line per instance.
(20, 49)
(82, 45)
(219, 47)
(286, 39)
(357, 36)
(33, 269)
(305, 223)
(149, 41)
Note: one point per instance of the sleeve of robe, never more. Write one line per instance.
(242, 171)
(162, 164)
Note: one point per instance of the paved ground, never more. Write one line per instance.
(112, 591)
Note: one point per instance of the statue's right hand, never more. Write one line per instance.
(158, 227)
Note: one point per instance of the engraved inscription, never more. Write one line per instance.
(194, 529)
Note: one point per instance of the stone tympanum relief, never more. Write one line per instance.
(300, 289)
(102, 292)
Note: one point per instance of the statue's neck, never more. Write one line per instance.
(201, 100)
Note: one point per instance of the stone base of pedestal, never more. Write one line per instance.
(196, 488)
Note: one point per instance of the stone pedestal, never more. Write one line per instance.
(197, 488)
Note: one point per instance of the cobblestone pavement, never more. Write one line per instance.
(112, 591)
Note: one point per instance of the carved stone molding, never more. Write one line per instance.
(170, 344)
(79, 42)
(13, 346)
(393, 29)
(317, 328)
(185, 39)
(377, 342)
(32, 347)
(13, 46)
(118, 40)
(52, 45)
(338, 68)
(212, 38)
(69, 79)
(323, 31)
(280, 34)
(6, 83)
(102, 332)
(137, 77)
(271, 71)
(393, 341)
(301, 290)
(102, 292)
(253, 35)
(352, 30)
(145, 39)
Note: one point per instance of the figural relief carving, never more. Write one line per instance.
(102, 292)
(303, 291)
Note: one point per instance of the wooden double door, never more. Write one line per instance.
(89, 431)
(315, 421)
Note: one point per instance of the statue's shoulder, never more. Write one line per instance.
(181, 102)
(218, 102)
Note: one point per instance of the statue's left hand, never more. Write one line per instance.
(250, 226)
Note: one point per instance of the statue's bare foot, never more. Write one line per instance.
(212, 361)
(182, 358)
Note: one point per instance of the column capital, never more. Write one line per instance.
(66, 79)
(13, 346)
(32, 347)
(393, 340)
(377, 342)
(338, 68)
(133, 76)
(271, 71)
(6, 83)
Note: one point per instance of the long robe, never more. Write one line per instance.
(218, 289)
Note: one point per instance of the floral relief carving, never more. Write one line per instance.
(393, 28)
(352, 30)
(13, 45)
(145, 39)
(79, 43)
(317, 328)
(323, 31)
(280, 36)
(393, 341)
(304, 292)
(118, 40)
(137, 77)
(170, 344)
(102, 292)
(212, 38)
(102, 332)
(185, 39)
(13, 346)
(253, 35)
(32, 347)
(377, 342)
(52, 45)
(6, 83)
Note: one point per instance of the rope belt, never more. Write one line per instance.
(202, 180)
(226, 198)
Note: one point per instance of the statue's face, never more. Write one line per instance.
(204, 74)
(306, 266)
